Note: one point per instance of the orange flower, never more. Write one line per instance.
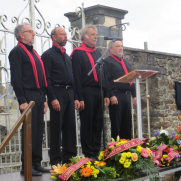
(123, 140)
(111, 147)
(176, 137)
(148, 151)
(86, 172)
(100, 164)
(58, 169)
(134, 157)
(176, 151)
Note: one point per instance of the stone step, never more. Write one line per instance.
(17, 177)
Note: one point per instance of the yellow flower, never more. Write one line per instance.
(127, 164)
(128, 154)
(149, 152)
(134, 157)
(94, 172)
(122, 142)
(122, 160)
(164, 156)
(124, 154)
(139, 149)
(96, 162)
(119, 143)
(101, 155)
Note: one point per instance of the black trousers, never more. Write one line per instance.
(91, 121)
(37, 126)
(62, 127)
(120, 116)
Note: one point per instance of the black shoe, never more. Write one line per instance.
(34, 172)
(42, 169)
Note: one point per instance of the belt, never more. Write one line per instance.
(123, 92)
(63, 86)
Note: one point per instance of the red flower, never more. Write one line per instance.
(145, 141)
(176, 137)
(153, 150)
(166, 151)
(179, 128)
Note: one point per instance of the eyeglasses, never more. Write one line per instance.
(30, 31)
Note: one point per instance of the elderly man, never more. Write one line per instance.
(28, 80)
(120, 93)
(61, 99)
(88, 91)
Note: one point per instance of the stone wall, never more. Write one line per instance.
(163, 110)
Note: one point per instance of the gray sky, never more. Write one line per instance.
(156, 21)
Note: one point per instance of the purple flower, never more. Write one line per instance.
(179, 142)
(173, 134)
(157, 133)
(177, 155)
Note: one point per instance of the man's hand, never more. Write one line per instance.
(114, 100)
(77, 104)
(82, 106)
(56, 105)
(23, 106)
(45, 107)
(106, 102)
(134, 101)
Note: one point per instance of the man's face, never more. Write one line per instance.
(27, 35)
(117, 49)
(91, 37)
(60, 37)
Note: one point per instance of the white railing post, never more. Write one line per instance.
(32, 19)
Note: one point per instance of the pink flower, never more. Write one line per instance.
(111, 143)
(143, 152)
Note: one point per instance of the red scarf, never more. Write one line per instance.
(62, 50)
(88, 52)
(34, 65)
(122, 63)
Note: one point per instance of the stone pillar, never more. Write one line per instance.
(102, 17)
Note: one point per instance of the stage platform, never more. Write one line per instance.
(46, 176)
(17, 177)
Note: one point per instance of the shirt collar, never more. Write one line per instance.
(29, 47)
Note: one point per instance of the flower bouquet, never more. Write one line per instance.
(165, 147)
(129, 157)
(81, 169)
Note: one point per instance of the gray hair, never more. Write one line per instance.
(18, 29)
(84, 31)
(53, 32)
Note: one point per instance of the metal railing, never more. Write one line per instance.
(26, 117)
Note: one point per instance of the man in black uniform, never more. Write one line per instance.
(120, 93)
(88, 91)
(58, 67)
(28, 80)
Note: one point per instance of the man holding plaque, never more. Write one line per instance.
(120, 93)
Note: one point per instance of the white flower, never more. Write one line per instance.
(152, 138)
(164, 131)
